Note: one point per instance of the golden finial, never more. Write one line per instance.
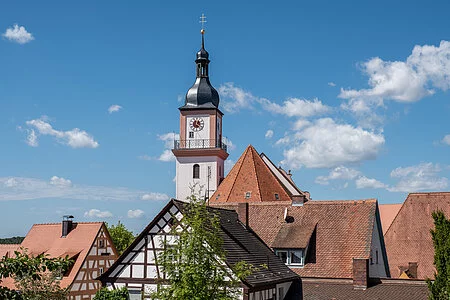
(203, 21)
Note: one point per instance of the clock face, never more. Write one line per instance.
(196, 124)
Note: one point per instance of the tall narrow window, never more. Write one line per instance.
(196, 171)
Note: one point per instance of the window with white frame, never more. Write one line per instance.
(292, 257)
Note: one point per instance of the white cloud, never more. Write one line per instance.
(96, 213)
(369, 183)
(236, 98)
(326, 144)
(10, 182)
(294, 107)
(135, 214)
(340, 172)
(168, 139)
(155, 196)
(18, 34)
(331, 83)
(269, 134)
(22, 188)
(421, 177)
(114, 108)
(32, 138)
(301, 123)
(228, 165)
(74, 138)
(60, 182)
(426, 69)
(446, 139)
(229, 143)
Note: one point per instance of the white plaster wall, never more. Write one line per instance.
(376, 270)
(184, 172)
(198, 135)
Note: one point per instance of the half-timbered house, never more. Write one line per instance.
(138, 270)
(89, 245)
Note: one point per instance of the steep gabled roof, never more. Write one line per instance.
(250, 174)
(408, 239)
(342, 231)
(46, 238)
(239, 242)
(387, 214)
(8, 249)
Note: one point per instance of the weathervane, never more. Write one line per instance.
(203, 21)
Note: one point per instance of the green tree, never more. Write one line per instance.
(121, 236)
(193, 259)
(440, 287)
(105, 294)
(35, 276)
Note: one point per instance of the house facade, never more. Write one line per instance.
(89, 245)
(138, 270)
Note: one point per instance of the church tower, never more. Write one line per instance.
(200, 152)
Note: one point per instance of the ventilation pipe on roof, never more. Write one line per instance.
(67, 225)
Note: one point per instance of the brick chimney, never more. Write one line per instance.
(412, 269)
(242, 212)
(67, 225)
(360, 273)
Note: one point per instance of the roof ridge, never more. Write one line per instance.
(238, 171)
(59, 223)
(252, 150)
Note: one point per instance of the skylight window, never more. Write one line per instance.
(248, 195)
(277, 196)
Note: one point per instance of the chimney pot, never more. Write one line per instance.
(243, 213)
(360, 273)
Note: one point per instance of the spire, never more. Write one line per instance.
(202, 94)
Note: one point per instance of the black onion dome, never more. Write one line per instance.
(202, 94)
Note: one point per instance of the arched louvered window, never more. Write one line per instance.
(196, 171)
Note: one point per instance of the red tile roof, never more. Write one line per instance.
(387, 214)
(343, 231)
(46, 238)
(408, 239)
(316, 289)
(8, 249)
(250, 174)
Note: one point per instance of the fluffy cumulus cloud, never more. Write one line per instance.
(61, 182)
(424, 71)
(269, 134)
(421, 177)
(23, 188)
(369, 183)
(155, 196)
(96, 213)
(18, 34)
(236, 98)
(75, 138)
(337, 173)
(294, 107)
(326, 144)
(114, 108)
(168, 139)
(135, 214)
(446, 139)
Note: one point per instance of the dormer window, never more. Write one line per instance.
(248, 195)
(277, 196)
(196, 171)
(292, 257)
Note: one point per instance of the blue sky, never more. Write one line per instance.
(352, 96)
